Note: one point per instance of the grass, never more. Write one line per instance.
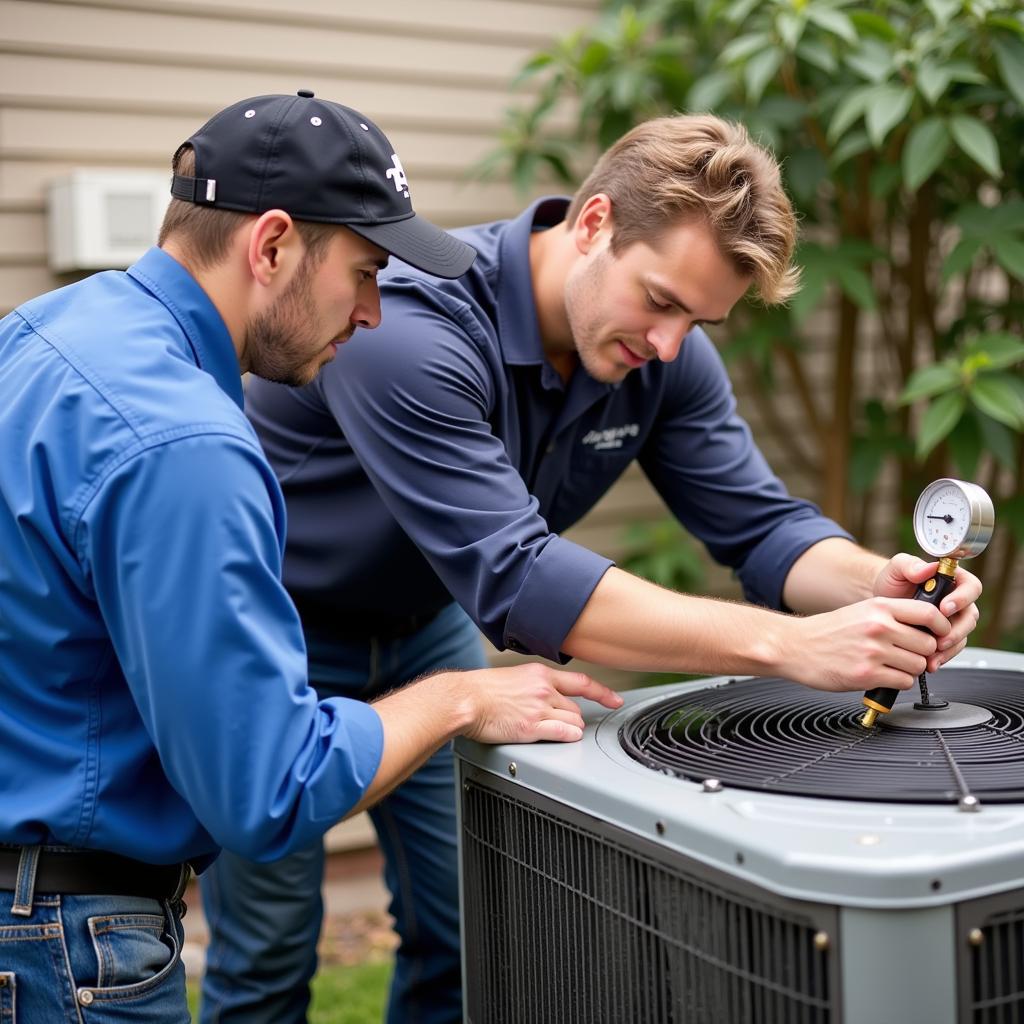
(341, 995)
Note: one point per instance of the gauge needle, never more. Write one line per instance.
(945, 519)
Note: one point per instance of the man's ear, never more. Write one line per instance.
(594, 223)
(275, 248)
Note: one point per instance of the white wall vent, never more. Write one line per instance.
(101, 220)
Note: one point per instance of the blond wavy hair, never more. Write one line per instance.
(697, 167)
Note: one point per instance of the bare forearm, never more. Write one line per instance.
(830, 574)
(417, 721)
(632, 624)
(520, 704)
(629, 623)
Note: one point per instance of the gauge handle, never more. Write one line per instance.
(882, 698)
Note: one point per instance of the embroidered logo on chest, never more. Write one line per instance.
(610, 437)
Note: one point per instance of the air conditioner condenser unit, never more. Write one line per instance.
(743, 850)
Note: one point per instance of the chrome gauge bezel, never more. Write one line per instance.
(980, 516)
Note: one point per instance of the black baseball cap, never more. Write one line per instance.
(318, 161)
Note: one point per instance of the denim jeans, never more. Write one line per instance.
(265, 919)
(91, 960)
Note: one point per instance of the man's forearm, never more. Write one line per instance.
(630, 623)
(830, 574)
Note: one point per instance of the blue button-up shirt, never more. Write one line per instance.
(153, 694)
(442, 454)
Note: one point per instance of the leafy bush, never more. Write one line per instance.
(900, 129)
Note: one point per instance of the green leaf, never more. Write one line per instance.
(817, 53)
(832, 21)
(849, 110)
(741, 48)
(977, 141)
(595, 57)
(927, 144)
(932, 79)
(998, 440)
(929, 381)
(869, 24)
(873, 61)
(804, 171)
(760, 70)
(1010, 253)
(943, 10)
(857, 285)
(709, 91)
(995, 396)
(1010, 61)
(965, 446)
(740, 11)
(942, 416)
(790, 26)
(866, 461)
(813, 280)
(1001, 349)
(885, 178)
(1012, 511)
(852, 145)
(977, 221)
(888, 106)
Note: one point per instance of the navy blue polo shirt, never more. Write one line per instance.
(441, 455)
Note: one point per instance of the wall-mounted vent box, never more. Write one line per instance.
(101, 220)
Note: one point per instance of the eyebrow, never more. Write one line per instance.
(667, 293)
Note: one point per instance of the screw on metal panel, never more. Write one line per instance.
(970, 803)
(975, 936)
(512, 769)
(822, 941)
(659, 827)
(739, 858)
(936, 885)
(712, 786)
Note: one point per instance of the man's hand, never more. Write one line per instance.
(901, 576)
(864, 645)
(528, 702)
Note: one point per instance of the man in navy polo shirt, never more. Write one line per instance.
(429, 470)
(154, 702)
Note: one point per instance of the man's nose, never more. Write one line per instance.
(667, 338)
(366, 313)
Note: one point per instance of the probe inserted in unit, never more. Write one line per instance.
(952, 520)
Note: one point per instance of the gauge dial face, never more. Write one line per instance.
(953, 519)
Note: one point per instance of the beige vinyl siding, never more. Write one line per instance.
(120, 84)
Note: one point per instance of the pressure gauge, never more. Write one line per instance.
(953, 519)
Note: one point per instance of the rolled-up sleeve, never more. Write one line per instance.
(414, 399)
(182, 545)
(702, 459)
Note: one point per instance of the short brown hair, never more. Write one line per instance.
(207, 231)
(697, 166)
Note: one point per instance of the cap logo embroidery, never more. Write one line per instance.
(397, 175)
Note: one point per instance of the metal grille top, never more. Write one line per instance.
(772, 735)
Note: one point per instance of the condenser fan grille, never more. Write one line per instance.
(773, 735)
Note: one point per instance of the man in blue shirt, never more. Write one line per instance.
(154, 703)
(440, 459)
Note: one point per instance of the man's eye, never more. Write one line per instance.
(655, 304)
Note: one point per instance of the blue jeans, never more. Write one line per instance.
(265, 918)
(91, 960)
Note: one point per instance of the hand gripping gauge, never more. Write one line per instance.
(952, 520)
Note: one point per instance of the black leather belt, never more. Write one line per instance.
(94, 873)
